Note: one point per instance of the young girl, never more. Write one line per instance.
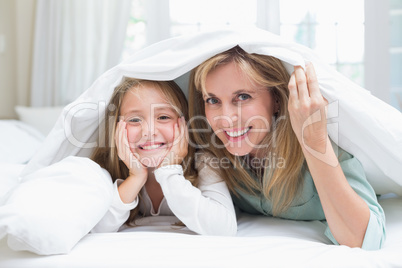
(272, 128)
(145, 157)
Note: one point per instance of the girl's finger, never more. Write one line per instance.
(301, 84)
(185, 130)
(123, 141)
(176, 134)
(182, 127)
(117, 137)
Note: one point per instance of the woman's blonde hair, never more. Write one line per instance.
(278, 184)
(107, 157)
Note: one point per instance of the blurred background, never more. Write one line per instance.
(53, 50)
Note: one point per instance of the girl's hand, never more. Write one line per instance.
(135, 167)
(179, 148)
(307, 109)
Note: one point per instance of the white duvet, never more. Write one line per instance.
(61, 195)
(359, 122)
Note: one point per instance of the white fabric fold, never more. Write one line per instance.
(360, 123)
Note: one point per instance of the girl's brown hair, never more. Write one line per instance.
(107, 157)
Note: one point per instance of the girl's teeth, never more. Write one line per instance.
(150, 147)
(235, 134)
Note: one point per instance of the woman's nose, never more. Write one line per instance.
(229, 116)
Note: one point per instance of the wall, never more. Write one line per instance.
(25, 21)
(8, 65)
(16, 31)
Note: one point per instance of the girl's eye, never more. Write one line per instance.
(163, 117)
(244, 96)
(211, 101)
(134, 121)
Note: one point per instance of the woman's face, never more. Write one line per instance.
(150, 124)
(239, 111)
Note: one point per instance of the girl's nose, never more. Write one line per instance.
(148, 129)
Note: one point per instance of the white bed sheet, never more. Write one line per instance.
(261, 242)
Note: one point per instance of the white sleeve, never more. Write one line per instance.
(207, 210)
(117, 214)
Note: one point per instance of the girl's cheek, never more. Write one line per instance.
(168, 132)
(133, 134)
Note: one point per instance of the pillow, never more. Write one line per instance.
(18, 141)
(42, 118)
(9, 178)
(54, 207)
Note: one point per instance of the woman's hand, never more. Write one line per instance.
(135, 167)
(307, 109)
(179, 148)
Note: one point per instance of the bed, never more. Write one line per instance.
(260, 242)
(35, 232)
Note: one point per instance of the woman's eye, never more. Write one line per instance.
(211, 101)
(244, 96)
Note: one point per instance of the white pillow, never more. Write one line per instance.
(54, 207)
(9, 178)
(42, 118)
(18, 141)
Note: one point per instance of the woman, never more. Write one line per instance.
(272, 128)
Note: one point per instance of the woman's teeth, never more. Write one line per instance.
(235, 134)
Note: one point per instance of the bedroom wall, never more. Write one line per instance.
(8, 62)
(16, 32)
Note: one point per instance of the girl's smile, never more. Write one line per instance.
(150, 146)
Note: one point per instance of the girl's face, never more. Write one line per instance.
(239, 111)
(150, 124)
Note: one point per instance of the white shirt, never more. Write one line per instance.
(206, 210)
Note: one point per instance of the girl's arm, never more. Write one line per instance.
(117, 214)
(207, 209)
(132, 185)
(125, 191)
(346, 212)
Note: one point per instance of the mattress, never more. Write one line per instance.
(260, 242)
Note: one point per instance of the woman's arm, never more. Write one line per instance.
(346, 212)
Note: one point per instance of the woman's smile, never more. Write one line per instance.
(235, 135)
